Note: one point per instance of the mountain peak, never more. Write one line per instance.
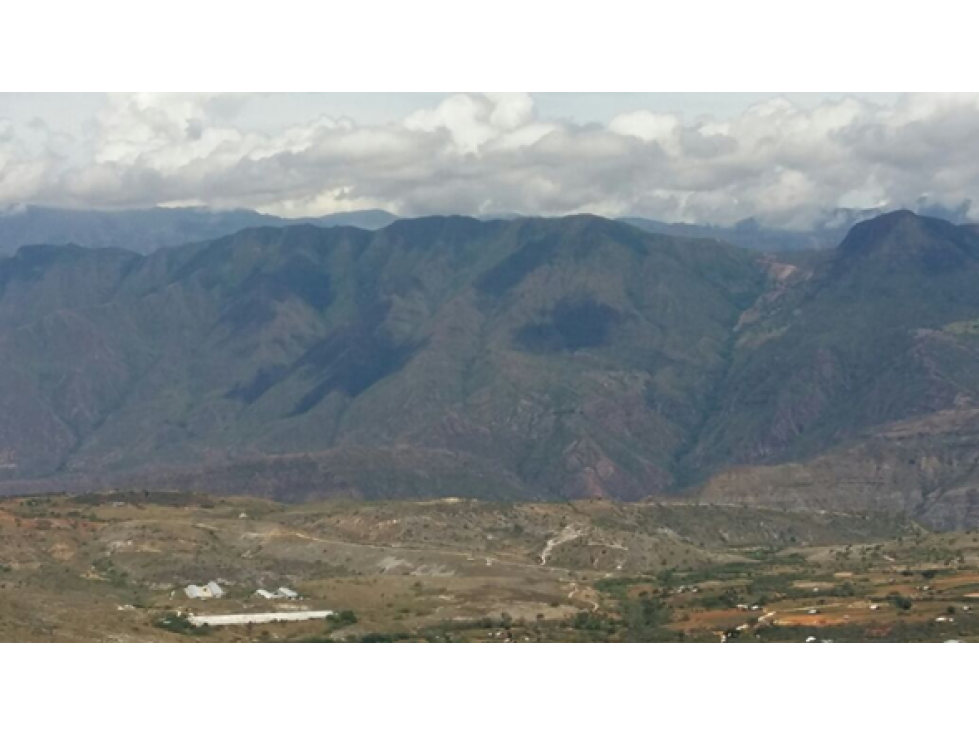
(869, 234)
(905, 236)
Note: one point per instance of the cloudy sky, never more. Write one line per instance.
(784, 158)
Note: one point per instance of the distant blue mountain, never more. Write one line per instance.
(147, 230)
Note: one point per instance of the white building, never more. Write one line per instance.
(226, 620)
(211, 590)
(282, 593)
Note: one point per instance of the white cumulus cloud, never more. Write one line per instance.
(477, 153)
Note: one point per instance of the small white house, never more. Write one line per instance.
(211, 590)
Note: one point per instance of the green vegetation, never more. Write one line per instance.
(865, 347)
(551, 359)
(342, 619)
(180, 625)
(358, 320)
(901, 602)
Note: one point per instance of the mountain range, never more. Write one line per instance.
(507, 359)
(147, 230)
(824, 232)
(751, 235)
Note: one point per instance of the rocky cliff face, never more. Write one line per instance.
(926, 468)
